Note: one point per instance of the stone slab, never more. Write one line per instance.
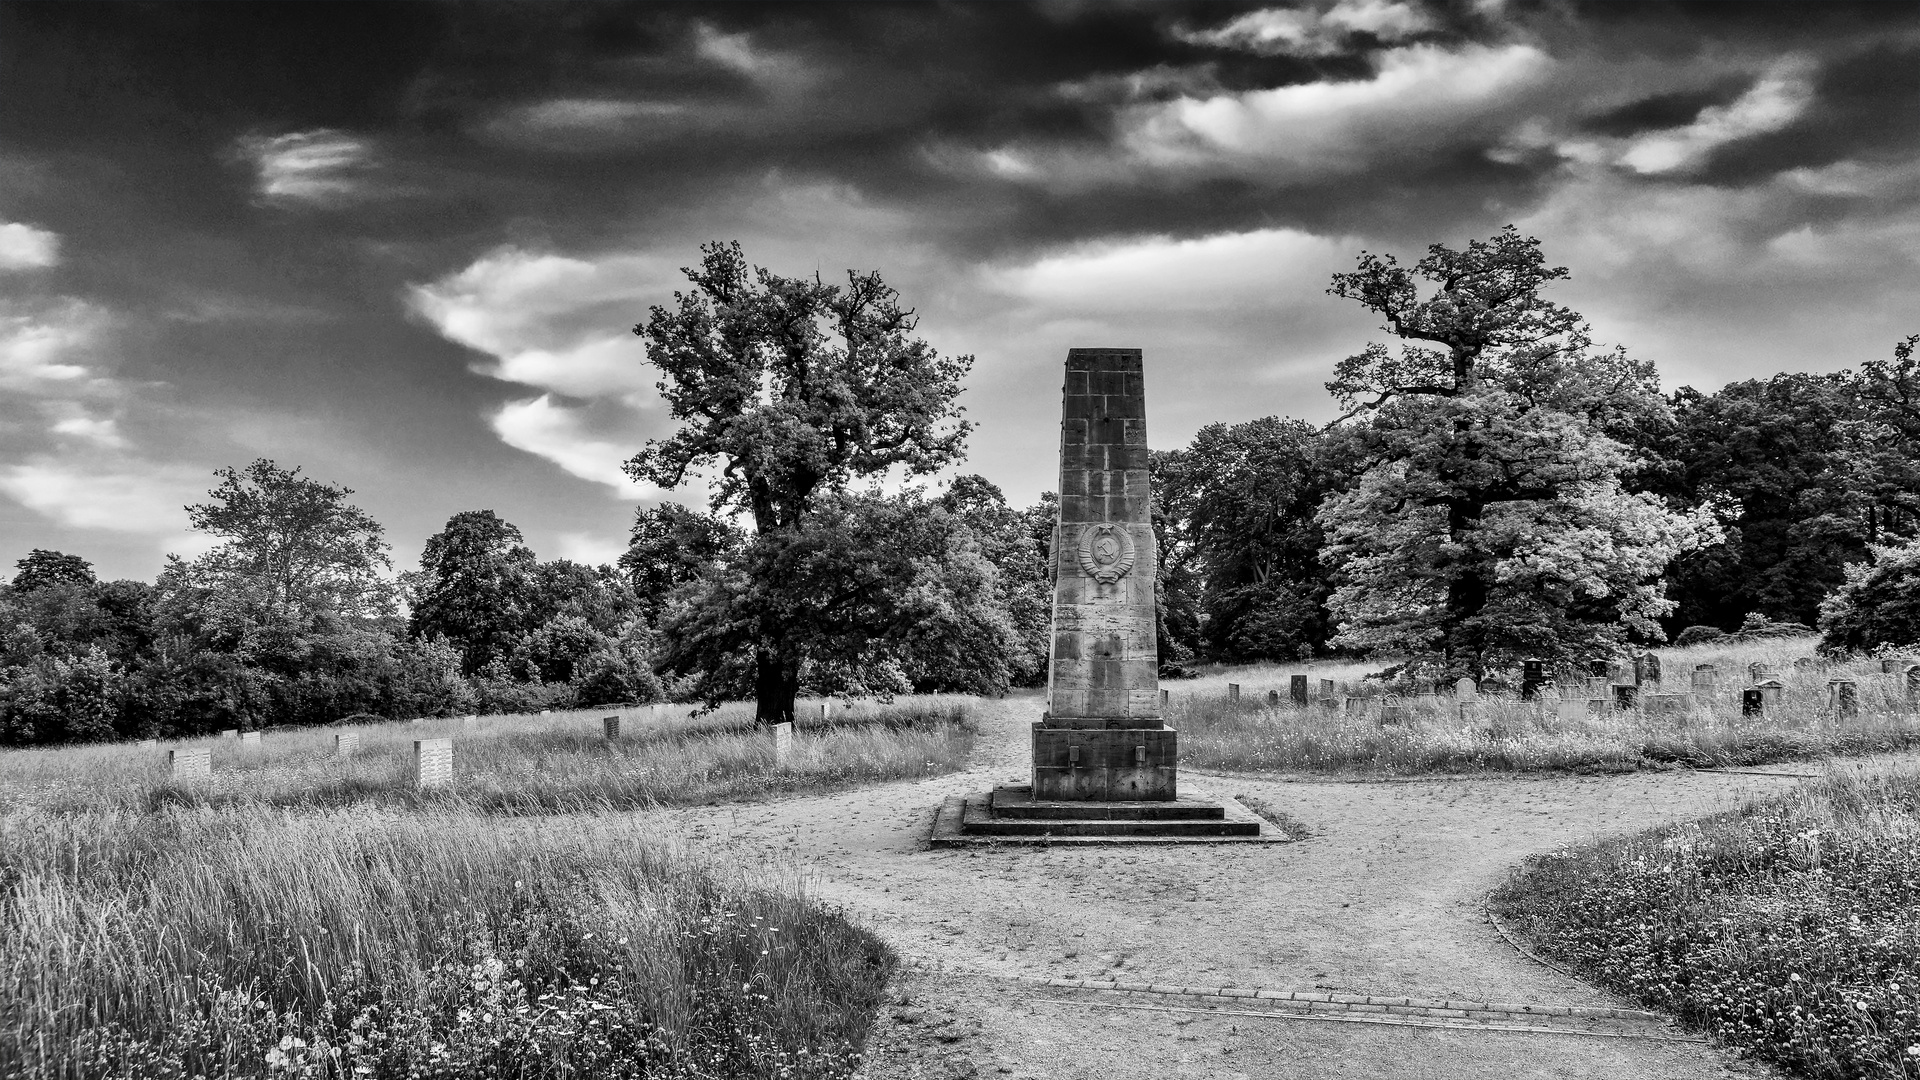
(1104, 764)
(968, 822)
(1018, 802)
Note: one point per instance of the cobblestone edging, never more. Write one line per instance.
(1352, 1003)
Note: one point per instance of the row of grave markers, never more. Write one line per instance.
(432, 758)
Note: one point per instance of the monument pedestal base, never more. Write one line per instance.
(1103, 764)
(1011, 815)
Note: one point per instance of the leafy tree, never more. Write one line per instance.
(1488, 520)
(42, 568)
(791, 388)
(1240, 504)
(474, 587)
(1877, 604)
(292, 544)
(1017, 545)
(881, 595)
(1763, 455)
(670, 547)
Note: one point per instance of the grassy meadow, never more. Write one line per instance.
(1789, 928)
(304, 914)
(1500, 732)
(232, 942)
(557, 763)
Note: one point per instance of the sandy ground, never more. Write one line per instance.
(1384, 899)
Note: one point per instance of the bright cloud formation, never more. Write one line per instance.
(315, 167)
(23, 247)
(1223, 272)
(545, 428)
(552, 322)
(1773, 102)
(41, 343)
(119, 495)
(1306, 32)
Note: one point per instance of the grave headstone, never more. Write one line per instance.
(1273, 699)
(1913, 685)
(1233, 691)
(1626, 697)
(1665, 706)
(1753, 702)
(1597, 688)
(1771, 693)
(1297, 689)
(1758, 673)
(422, 719)
(1393, 714)
(1326, 688)
(1533, 676)
(249, 740)
(432, 763)
(1572, 711)
(782, 744)
(546, 712)
(345, 743)
(1164, 700)
(1706, 678)
(1843, 699)
(1355, 705)
(149, 744)
(1465, 689)
(230, 733)
(469, 720)
(1893, 665)
(193, 763)
(826, 711)
(1599, 669)
(610, 727)
(1646, 669)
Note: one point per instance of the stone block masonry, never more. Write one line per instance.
(1103, 674)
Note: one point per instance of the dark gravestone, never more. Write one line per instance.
(1273, 699)
(1533, 676)
(1626, 697)
(1752, 702)
(1843, 699)
(1297, 688)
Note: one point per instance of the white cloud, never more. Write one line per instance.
(40, 344)
(23, 247)
(1305, 32)
(545, 428)
(551, 322)
(1226, 271)
(320, 167)
(590, 549)
(573, 118)
(101, 431)
(114, 495)
(1772, 103)
(1420, 95)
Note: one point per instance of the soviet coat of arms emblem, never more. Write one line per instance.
(1106, 552)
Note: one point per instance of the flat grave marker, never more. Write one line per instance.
(190, 763)
(782, 744)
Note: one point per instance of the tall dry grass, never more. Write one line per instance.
(514, 764)
(1499, 732)
(201, 942)
(1788, 928)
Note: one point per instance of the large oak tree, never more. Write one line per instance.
(789, 389)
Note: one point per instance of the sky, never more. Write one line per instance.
(404, 247)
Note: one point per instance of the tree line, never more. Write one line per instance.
(1498, 487)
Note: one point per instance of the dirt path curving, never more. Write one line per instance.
(1385, 900)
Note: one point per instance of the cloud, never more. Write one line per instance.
(40, 342)
(1773, 102)
(589, 548)
(116, 495)
(1222, 272)
(545, 428)
(1305, 32)
(23, 247)
(320, 167)
(100, 431)
(551, 322)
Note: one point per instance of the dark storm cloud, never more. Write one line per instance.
(401, 244)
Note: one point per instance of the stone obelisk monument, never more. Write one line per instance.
(1103, 737)
(1103, 757)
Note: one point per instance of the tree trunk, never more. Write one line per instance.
(776, 683)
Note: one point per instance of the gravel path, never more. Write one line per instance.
(1385, 899)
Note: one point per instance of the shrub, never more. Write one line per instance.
(1878, 603)
(1699, 635)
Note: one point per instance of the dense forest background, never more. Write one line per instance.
(1430, 522)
